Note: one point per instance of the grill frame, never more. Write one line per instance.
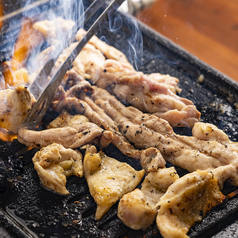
(160, 55)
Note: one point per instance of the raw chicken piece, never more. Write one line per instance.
(108, 180)
(138, 209)
(15, 105)
(186, 201)
(54, 163)
(75, 133)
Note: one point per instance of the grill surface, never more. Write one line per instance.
(29, 210)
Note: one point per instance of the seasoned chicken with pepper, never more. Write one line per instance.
(138, 209)
(15, 104)
(54, 164)
(108, 179)
(146, 131)
(150, 158)
(74, 132)
(186, 201)
(154, 93)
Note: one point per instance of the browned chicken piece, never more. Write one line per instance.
(138, 209)
(150, 158)
(54, 29)
(186, 201)
(108, 180)
(15, 105)
(146, 131)
(107, 50)
(54, 163)
(77, 132)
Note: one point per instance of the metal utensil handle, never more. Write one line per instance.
(48, 94)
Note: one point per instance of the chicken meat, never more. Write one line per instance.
(138, 209)
(15, 105)
(146, 131)
(186, 201)
(78, 131)
(108, 180)
(54, 164)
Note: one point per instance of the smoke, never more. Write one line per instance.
(118, 24)
(129, 31)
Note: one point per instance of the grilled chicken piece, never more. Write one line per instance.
(15, 105)
(107, 50)
(108, 180)
(145, 131)
(138, 209)
(186, 201)
(150, 158)
(209, 132)
(54, 163)
(153, 93)
(134, 210)
(156, 184)
(75, 133)
(147, 94)
(89, 63)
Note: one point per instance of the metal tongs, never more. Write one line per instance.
(44, 99)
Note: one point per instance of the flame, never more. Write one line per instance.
(6, 136)
(232, 194)
(27, 40)
(1, 14)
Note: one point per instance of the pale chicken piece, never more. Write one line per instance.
(134, 210)
(147, 94)
(76, 132)
(108, 180)
(166, 80)
(186, 201)
(138, 209)
(54, 163)
(145, 131)
(156, 184)
(89, 63)
(107, 50)
(143, 92)
(15, 104)
(150, 158)
(208, 131)
(53, 29)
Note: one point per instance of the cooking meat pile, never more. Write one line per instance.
(103, 100)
